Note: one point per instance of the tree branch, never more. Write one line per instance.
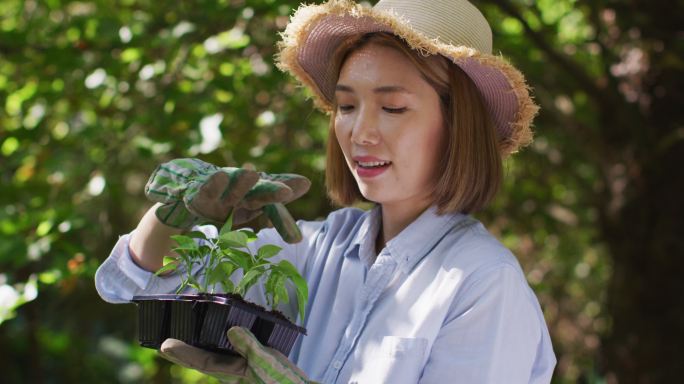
(584, 80)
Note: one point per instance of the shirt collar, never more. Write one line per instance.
(363, 243)
(421, 236)
(411, 244)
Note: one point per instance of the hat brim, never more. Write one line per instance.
(316, 31)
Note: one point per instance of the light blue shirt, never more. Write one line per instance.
(444, 301)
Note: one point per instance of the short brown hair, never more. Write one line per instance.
(472, 169)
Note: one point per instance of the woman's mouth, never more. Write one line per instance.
(371, 167)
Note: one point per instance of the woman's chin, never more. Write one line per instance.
(371, 195)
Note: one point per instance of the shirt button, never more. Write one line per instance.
(337, 364)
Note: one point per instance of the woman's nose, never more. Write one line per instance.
(364, 131)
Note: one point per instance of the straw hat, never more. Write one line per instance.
(452, 28)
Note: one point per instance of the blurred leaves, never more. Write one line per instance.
(95, 94)
(11, 297)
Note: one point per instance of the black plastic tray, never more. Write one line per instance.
(202, 320)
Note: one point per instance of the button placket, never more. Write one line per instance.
(379, 275)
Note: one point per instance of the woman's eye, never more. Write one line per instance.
(394, 110)
(345, 107)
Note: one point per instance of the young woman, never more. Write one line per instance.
(414, 290)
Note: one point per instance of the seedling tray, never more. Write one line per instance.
(202, 320)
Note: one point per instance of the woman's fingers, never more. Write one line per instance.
(266, 192)
(297, 183)
(215, 197)
(283, 222)
(218, 365)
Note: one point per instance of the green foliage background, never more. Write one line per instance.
(95, 94)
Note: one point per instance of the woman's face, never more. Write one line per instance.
(389, 125)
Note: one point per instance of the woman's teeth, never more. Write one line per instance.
(373, 164)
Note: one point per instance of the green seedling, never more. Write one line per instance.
(221, 257)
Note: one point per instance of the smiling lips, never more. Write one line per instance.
(370, 166)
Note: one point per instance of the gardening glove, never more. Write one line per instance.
(257, 363)
(195, 192)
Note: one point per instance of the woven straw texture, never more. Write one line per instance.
(452, 28)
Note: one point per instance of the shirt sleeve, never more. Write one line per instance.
(494, 334)
(119, 278)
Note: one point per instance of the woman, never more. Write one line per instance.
(414, 290)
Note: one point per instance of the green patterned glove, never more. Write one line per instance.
(226, 368)
(264, 363)
(195, 192)
(258, 364)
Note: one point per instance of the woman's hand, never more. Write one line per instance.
(257, 364)
(193, 192)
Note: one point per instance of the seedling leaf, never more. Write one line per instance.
(228, 268)
(228, 225)
(185, 243)
(170, 264)
(251, 236)
(196, 235)
(215, 276)
(233, 239)
(248, 280)
(267, 251)
(227, 285)
(239, 258)
(281, 295)
(301, 288)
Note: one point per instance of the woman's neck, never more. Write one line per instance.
(395, 218)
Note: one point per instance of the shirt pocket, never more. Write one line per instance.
(398, 360)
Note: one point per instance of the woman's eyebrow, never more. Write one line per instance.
(391, 89)
(383, 89)
(343, 88)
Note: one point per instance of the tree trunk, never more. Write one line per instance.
(645, 236)
(646, 293)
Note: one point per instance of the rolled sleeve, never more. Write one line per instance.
(119, 278)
